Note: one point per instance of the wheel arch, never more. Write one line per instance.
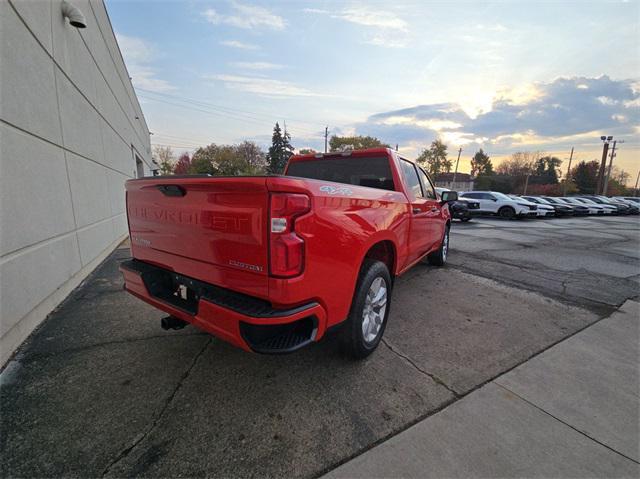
(385, 251)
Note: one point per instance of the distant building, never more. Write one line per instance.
(464, 181)
(71, 133)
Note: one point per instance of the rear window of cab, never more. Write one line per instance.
(372, 172)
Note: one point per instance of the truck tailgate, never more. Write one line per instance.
(212, 229)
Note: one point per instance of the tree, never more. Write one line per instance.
(481, 164)
(501, 183)
(585, 176)
(164, 157)
(203, 161)
(521, 163)
(306, 151)
(341, 143)
(183, 165)
(620, 176)
(254, 159)
(228, 160)
(434, 159)
(546, 169)
(280, 150)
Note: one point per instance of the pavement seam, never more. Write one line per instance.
(435, 378)
(35, 356)
(125, 452)
(564, 422)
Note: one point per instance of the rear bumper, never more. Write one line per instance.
(560, 212)
(546, 213)
(245, 321)
(528, 213)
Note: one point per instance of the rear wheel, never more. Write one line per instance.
(439, 258)
(367, 319)
(506, 212)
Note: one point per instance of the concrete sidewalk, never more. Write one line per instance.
(572, 411)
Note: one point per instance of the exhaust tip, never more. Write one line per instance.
(171, 322)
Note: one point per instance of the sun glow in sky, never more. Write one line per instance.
(504, 76)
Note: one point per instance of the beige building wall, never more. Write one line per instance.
(71, 133)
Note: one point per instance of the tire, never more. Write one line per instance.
(507, 212)
(464, 220)
(367, 321)
(439, 258)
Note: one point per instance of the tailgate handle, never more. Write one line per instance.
(172, 190)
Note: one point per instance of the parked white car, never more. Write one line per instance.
(608, 209)
(543, 210)
(496, 203)
(593, 208)
(632, 199)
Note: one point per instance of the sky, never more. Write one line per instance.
(502, 76)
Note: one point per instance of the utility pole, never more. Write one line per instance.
(612, 155)
(635, 193)
(455, 172)
(603, 163)
(326, 135)
(396, 147)
(526, 183)
(568, 177)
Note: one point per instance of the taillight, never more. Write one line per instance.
(287, 248)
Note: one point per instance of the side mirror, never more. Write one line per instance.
(448, 196)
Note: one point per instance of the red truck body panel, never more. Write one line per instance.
(217, 231)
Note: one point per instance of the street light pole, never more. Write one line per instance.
(603, 163)
(455, 173)
(326, 135)
(635, 193)
(612, 155)
(568, 177)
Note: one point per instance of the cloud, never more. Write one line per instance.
(240, 45)
(263, 86)
(246, 16)
(138, 55)
(540, 114)
(257, 65)
(385, 28)
(372, 17)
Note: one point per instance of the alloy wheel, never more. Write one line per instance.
(375, 307)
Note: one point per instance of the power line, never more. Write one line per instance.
(234, 111)
(186, 147)
(216, 106)
(235, 116)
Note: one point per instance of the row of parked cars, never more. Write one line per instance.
(474, 203)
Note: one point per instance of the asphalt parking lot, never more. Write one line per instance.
(100, 390)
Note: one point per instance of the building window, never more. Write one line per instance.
(139, 167)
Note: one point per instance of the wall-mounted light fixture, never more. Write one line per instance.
(73, 13)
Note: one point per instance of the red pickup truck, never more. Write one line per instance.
(271, 263)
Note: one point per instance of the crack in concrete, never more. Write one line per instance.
(125, 452)
(34, 356)
(435, 378)
(565, 279)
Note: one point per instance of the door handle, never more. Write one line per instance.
(416, 211)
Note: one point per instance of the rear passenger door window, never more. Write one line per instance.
(411, 179)
(427, 186)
